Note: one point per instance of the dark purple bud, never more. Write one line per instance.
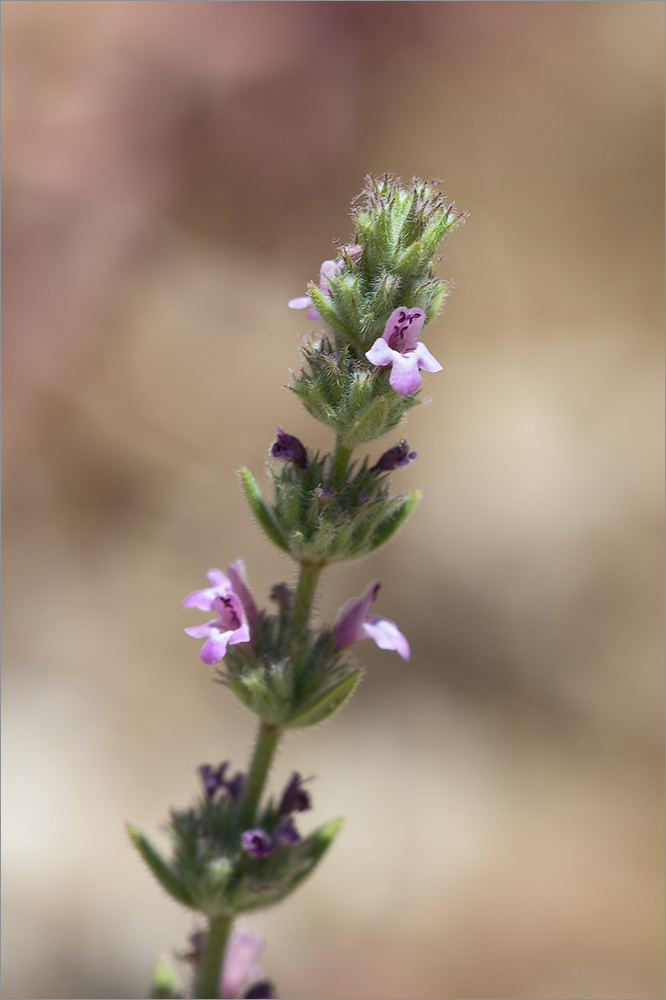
(394, 457)
(286, 832)
(197, 946)
(282, 595)
(257, 843)
(290, 449)
(294, 798)
(235, 786)
(263, 990)
(212, 778)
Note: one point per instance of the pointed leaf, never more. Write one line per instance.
(261, 510)
(160, 868)
(370, 425)
(326, 704)
(276, 877)
(388, 527)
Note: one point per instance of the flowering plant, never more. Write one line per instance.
(235, 851)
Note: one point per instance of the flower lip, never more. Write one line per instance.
(403, 329)
(353, 624)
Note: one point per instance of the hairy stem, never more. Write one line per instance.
(208, 985)
(267, 741)
(340, 463)
(304, 596)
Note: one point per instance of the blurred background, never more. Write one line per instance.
(173, 173)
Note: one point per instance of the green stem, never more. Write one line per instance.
(208, 986)
(340, 463)
(304, 596)
(267, 741)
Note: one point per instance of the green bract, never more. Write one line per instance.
(349, 394)
(318, 522)
(285, 682)
(210, 872)
(397, 234)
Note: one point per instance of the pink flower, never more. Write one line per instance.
(400, 347)
(236, 611)
(240, 963)
(354, 624)
(328, 269)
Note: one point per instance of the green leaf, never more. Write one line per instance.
(370, 425)
(388, 527)
(261, 511)
(325, 704)
(160, 868)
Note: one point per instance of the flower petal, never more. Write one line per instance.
(243, 951)
(302, 302)
(238, 581)
(403, 328)
(216, 578)
(380, 353)
(201, 631)
(405, 378)
(386, 634)
(215, 647)
(426, 360)
(351, 616)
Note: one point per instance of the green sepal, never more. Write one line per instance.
(326, 704)
(261, 511)
(269, 880)
(160, 868)
(388, 527)
(342, 389)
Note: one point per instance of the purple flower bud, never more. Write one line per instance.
(282, 595)
(212, 778)
(290, 449)
(257, 843)
(263, 990)
(235, 786)
(294, 798)
(286, 833)
(394, 457)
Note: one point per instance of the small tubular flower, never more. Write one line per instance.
(399, 346)
(234, 610)
(240, 963)
(353, 624)
(289, 448)
(394, 458)
(328, 269)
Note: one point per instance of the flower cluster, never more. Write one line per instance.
(235, 850)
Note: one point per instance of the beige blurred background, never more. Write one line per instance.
(173, 173)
